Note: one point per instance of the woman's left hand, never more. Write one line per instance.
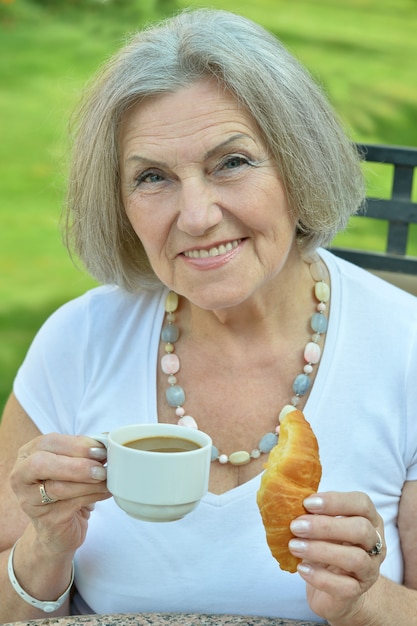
(336, 541)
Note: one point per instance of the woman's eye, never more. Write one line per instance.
(149, 178)
(233, 162)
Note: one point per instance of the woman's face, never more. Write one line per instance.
(204, 196)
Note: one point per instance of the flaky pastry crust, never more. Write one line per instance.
(292, 472)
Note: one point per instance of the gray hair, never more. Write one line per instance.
(318, 164)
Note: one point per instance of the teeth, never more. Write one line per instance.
(222, 249)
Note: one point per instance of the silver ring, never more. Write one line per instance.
(44, 496)
(377, 549)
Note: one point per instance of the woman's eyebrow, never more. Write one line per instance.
(137, 158)
(225, 143)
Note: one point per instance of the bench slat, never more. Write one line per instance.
(378, 260)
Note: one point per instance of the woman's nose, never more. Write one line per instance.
(198, 210)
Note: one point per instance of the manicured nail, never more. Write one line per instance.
(98, 454)
(313, 502)
(298, 545)
(98, 472)
(300, 526)
(304, 569)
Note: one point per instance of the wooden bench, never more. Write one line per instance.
(399, 211)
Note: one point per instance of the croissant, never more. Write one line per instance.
(292, 472)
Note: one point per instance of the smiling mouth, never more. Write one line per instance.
(212, 252)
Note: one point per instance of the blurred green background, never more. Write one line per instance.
(363, 52)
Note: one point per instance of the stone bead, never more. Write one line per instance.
(170, 333)
(312, 257)
(318, 270)
(169, 348)
(239, 458)
(223, 459)
(179, 411)
(267, 442)
(295, 401)
(171, 303)
(255, 454)
(301, 384)
(319, 322)
(175, 395)
(172, 380)
(188, 421)
(214, 453)
(308, 369)
(170, 364)
(312, 352)
(322, 291)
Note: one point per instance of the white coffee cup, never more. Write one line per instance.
(156, 486)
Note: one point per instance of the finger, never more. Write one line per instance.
(66, 506)
(58, 490)
(43, 465)
(354, 503)
(357, 531)
(348, 560)
(65, 445)
(337, 584)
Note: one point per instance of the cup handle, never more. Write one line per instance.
(102, 438)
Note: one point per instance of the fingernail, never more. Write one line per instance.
(98, 454)
(313, 502)
(300, 525)
(304, 569)
(98, 472)
(298, 545)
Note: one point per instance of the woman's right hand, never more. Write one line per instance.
(70, 468)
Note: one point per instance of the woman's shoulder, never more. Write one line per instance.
(367, 287)
(107, 301)
(100, 312)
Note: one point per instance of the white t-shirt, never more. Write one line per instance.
(93, 367)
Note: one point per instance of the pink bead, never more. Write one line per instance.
(179, 411)
(188, 422)
(170, 363)
(312, 352)
(321, 307)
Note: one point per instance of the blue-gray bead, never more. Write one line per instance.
(175, 395)
(319, 322)
(267, 442)
(301, 384)
(170, 333)
(214, 453)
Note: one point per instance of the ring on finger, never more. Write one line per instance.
(44, 496)
(377, 549)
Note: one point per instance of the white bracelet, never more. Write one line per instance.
(47, 607)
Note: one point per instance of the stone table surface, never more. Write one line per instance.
(163, 619)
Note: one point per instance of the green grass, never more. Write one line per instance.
(362, 51)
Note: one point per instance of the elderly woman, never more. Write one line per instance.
(208, 163)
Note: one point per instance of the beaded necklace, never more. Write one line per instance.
(170, 365)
